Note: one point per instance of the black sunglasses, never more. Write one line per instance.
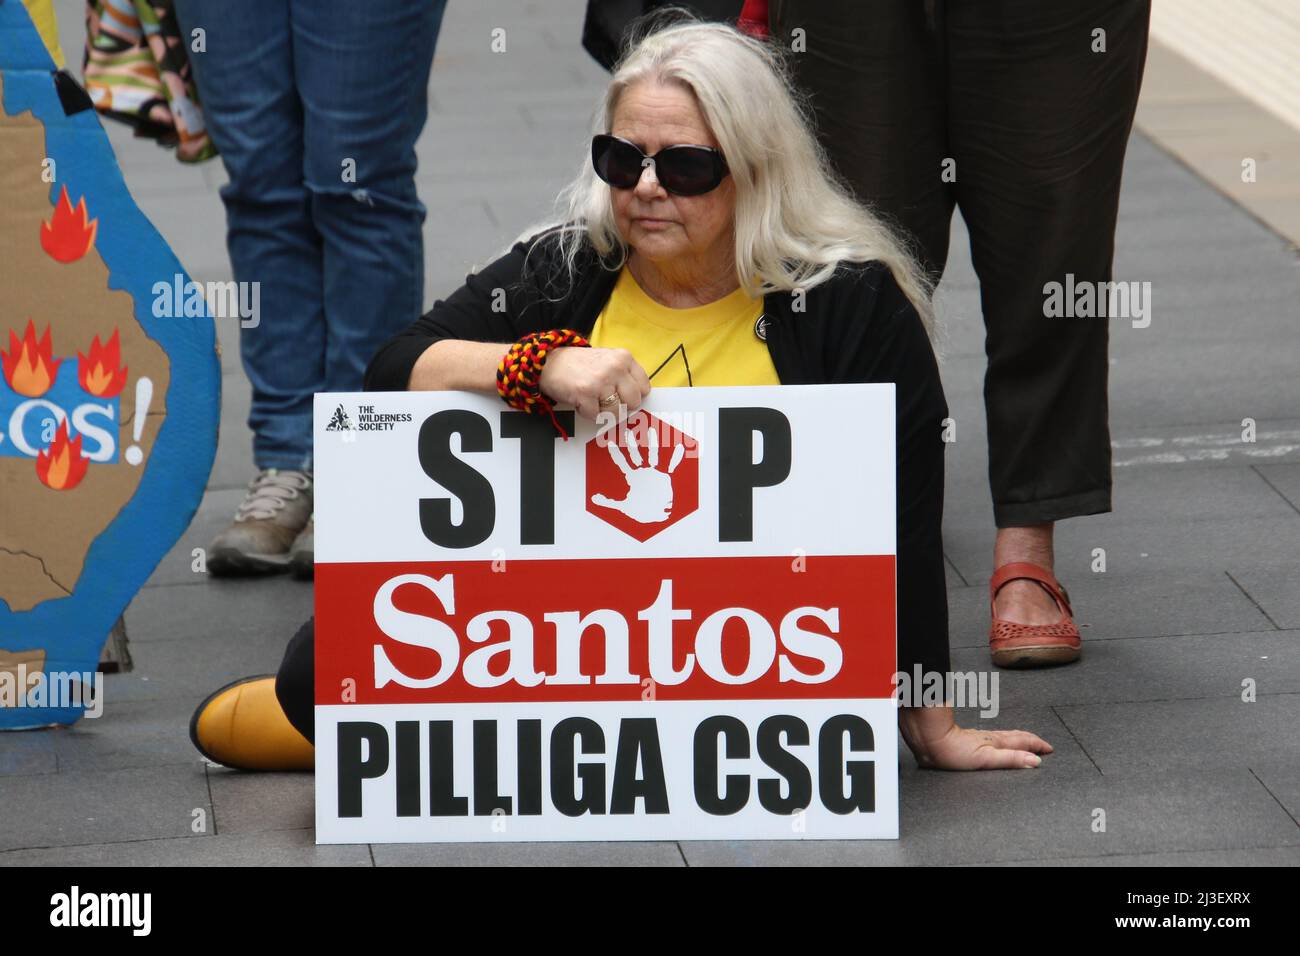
(682, 170)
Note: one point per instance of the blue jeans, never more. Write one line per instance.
(316, 106)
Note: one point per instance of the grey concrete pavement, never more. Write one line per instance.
(1198, 595)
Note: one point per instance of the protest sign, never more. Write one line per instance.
(680, 626)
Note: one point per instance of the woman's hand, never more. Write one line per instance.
(584, 377)
(939, 744)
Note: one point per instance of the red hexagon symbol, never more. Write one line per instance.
(643, 475)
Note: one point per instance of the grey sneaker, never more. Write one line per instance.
(302, 556)
(276, 508)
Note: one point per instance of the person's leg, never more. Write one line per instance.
(363, 73)
(1039, 122)
(246, 78)
(295, 681)
(875, 82)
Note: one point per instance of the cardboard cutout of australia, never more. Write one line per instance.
(108, 414)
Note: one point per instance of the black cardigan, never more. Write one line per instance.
(856, 327)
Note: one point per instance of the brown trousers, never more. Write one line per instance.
(1015, 100)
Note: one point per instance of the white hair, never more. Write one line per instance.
(794, 219)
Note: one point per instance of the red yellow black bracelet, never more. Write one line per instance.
(519, 375)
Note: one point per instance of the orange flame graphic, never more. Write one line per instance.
(62, 466)
(29, 366)
(68, 235)
(98, 372)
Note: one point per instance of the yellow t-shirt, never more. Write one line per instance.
(42, 14)
(714, 344)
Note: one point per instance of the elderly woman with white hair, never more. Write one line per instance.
(705, 207)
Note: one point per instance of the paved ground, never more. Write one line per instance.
(1199, 592)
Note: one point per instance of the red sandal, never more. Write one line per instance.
(1032, 645)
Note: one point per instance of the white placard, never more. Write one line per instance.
(676, 627)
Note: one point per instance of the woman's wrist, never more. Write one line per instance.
(922, 726)
(520, 371)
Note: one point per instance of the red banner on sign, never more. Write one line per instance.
(605, 630)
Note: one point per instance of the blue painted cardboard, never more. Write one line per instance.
(139, 489)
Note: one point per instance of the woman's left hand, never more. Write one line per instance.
(939, 744)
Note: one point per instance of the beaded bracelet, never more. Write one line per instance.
(519, 375)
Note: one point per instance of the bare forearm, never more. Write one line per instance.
(455, 364)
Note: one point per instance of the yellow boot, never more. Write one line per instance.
(243, 726)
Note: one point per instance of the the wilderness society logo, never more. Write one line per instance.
(367, 420)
